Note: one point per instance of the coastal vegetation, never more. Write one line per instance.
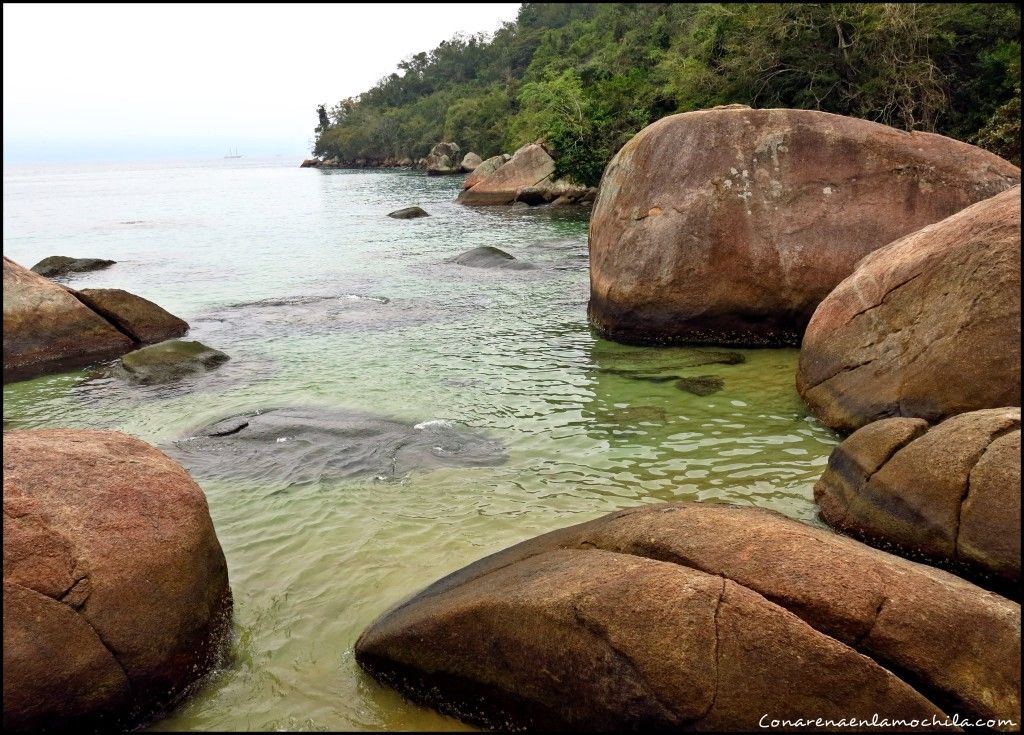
(587, 77)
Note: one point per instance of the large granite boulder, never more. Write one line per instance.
(443, 159)
(485, 169)
(927, 327)
(62, 265)
(139, 318)
(729, 226)
(697, 616)
(470, 162)
(46, 328)
(531, 166)
(949, 494)
(116, 594)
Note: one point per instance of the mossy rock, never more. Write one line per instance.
(171, 360)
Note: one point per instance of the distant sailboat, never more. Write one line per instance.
(233, 154)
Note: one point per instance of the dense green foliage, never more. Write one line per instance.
(587, 77)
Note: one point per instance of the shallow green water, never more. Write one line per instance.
(358, 311)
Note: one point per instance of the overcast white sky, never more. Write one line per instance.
(106, 82)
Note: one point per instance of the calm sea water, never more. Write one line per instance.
(323, 302)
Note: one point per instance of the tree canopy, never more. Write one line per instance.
(587, 77)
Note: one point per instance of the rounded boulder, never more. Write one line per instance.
(116, 596)
(729, 226)
(695, 616)
(927, 327)
(948, 494)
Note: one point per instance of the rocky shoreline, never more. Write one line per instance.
(524, 177)
(741, 226)
(892, 259)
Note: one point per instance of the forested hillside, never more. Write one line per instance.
(588, 76)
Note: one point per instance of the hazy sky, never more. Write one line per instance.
(104, 82)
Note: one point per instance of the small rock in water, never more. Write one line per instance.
(59, 265)
(702, 385)
(329, 444)
(409, 213)
(487, 256)
(170, 360)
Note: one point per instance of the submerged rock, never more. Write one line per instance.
(701, 385)
(729, 226)
(612, 356)
(59, 265)
(487, 256)
(949, 494)
(116, 595)
(409, 213)
(927, 327)
(315, 314)
(139, 318)
(299, 445)
(697, 616)
(47, 329)
(170, 360)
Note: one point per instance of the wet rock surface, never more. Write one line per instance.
(487, 256)
(409, 213)
(286, 446)
(60, 265)
(697, 616)
(169, 361)
(947, 494)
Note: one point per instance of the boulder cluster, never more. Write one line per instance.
(116, 597)
(527, 176)
(49, 326)
(894, 258)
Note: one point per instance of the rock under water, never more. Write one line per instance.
(300, 445)
(487, 256)
(701, 385)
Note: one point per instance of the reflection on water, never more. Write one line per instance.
(264, 262)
